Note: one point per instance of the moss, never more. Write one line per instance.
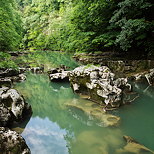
(98, 52)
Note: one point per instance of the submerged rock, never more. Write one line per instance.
(94, 113)
(100, 84)
(133, 146)
(102, 141)
(12, 143)
(15, 103)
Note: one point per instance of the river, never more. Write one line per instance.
(56, 129)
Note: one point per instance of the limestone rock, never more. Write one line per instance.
(63, 76)
(133, 146)
(150, 77)
(12, 143)
(31, 69)
(37, 70)
(100, 84)
(15, 103)
(144, 77)
(6, 116)
(8, 72)
(55, 70)
(5, 82)
(22, 70)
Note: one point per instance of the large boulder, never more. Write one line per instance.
(15, 103)
(133, 146)
(100, 84)
(12, 143)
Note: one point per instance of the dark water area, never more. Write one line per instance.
(55, 129)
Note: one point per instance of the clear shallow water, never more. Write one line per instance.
(55, 129)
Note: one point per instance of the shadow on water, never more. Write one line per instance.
(55, 129)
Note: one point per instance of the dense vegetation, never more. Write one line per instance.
(10, 25)
(78, 25)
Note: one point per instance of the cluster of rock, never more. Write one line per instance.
(100, 84)
(8, 76)
(58, 74)
(115, 61)
(144, 77)
(36, 70)
(13, 109)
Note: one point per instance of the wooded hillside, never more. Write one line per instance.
(78, 25)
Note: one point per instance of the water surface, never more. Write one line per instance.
(55, 129)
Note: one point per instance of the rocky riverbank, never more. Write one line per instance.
(13, 110)
(98, 83)
(119, 65)
(107, 89)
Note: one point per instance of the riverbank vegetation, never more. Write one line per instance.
(117, 25)
(78, 26)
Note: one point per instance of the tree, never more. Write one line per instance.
(10, 23)
(134, 21)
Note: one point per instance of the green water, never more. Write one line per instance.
(55, 129)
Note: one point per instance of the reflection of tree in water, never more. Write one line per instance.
(83, 136)
(144, 89)
(47, 99)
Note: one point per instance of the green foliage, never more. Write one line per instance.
(134, 21)
(10, 25)
(74, 26)
(6, 61)
(134, 31)
(92, 19)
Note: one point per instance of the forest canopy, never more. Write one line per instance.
(78, 25)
